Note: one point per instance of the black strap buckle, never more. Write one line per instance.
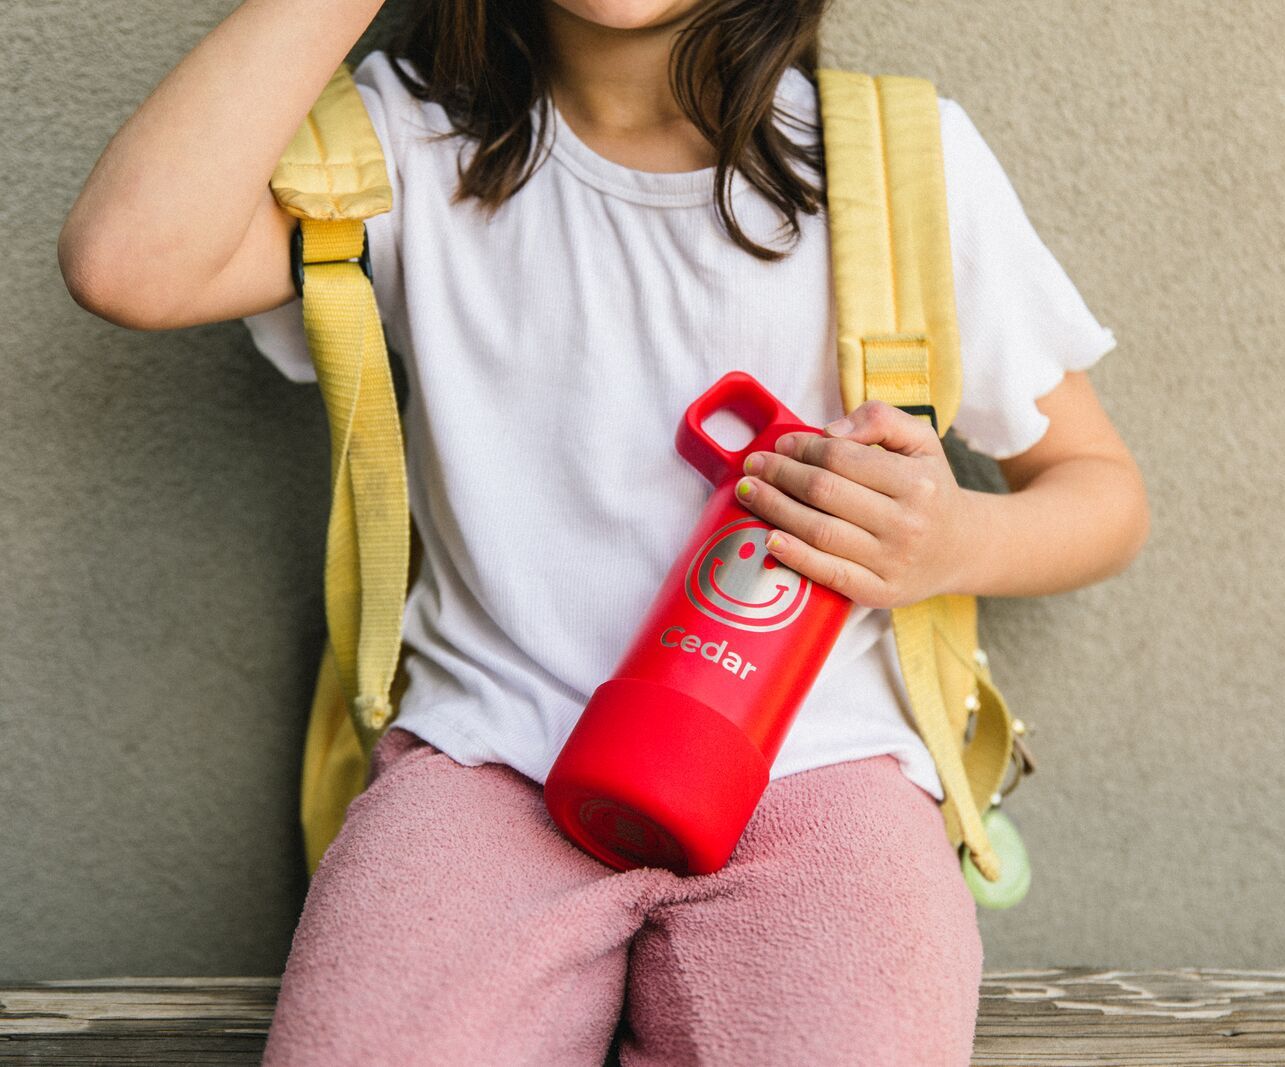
(922, 409)
(296, 257)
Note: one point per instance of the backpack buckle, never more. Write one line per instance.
(922, 409)
(296, 257)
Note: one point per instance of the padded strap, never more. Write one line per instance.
(898, 342)
(334, 167)
(889, 234)
(332, 177)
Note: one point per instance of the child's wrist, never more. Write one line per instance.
(973, 543)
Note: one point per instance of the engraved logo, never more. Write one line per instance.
(734, 579)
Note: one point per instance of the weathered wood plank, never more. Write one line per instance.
(1084, 1017)
(168, 1022)
(1069, 1017)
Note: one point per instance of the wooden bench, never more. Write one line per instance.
(1035, 1018)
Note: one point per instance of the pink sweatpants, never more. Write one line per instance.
(450, 922)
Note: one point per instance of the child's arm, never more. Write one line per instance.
(1077, 512)
(891, 526)
(176, 224)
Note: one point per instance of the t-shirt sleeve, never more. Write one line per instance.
(1022, 322)
(278, 333)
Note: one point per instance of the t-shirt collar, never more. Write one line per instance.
(656, 188)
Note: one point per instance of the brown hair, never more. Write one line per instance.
(486, 63)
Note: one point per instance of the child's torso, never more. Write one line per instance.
(551, 352)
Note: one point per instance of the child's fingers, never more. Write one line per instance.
(819, 528)
(818, 484)
(845, 576)
(883, 472)
(877, 423)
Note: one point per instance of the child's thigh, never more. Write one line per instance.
(450, 922)
(840, 932)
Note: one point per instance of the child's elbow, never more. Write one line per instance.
(97, 279)
(1136, 515)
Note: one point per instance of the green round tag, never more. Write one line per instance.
(1015, 865)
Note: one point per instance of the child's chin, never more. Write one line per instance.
(629, 14)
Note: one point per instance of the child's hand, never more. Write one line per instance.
(879, 525)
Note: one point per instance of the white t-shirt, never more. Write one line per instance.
(550, 354)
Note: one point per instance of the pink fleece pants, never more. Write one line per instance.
(450, 922)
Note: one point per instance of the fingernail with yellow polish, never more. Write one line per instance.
(744, 488)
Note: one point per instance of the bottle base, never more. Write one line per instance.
(650, 777)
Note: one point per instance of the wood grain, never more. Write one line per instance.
(1067, 1017)
(1084, 1016)
(109, 1021)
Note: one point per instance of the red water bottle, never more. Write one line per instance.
(670, 756)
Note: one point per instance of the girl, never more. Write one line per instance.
(601, 206)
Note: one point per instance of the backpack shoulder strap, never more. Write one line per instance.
(333, 168)
(890, 242)
(898, 342)
(332, 177)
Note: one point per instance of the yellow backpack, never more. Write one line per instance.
(897, 342)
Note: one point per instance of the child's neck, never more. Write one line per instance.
(612, 87)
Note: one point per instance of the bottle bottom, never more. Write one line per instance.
(652, 777)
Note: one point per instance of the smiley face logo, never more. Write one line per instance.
(734, 579)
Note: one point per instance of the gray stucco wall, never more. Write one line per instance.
(163, 501)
